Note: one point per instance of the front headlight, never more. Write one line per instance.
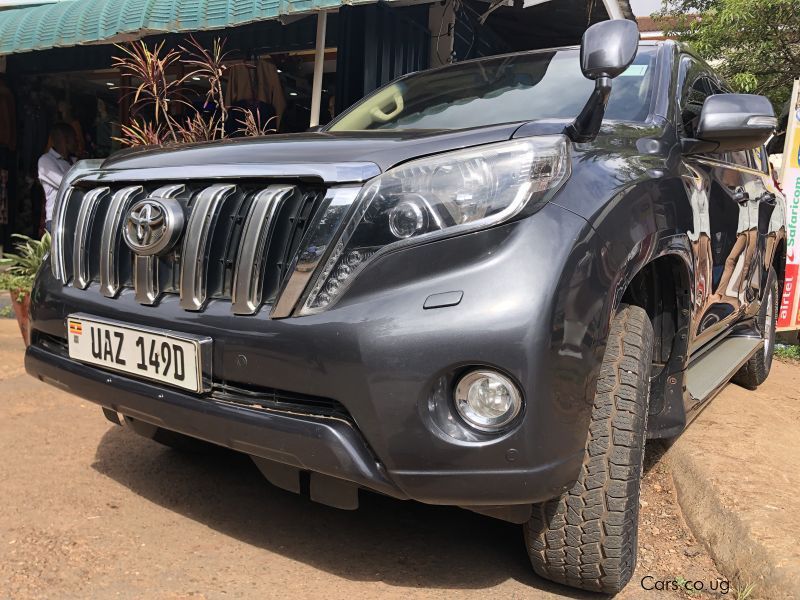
(444, 195)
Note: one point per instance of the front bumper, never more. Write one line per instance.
(328, 446)
(389, 361)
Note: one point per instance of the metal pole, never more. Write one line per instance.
(613, 9)
(319, 63)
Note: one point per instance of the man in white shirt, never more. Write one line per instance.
(54, 164)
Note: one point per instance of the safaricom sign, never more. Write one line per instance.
(793, 209)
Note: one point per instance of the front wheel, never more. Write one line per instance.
(586, 538)
(756, 370)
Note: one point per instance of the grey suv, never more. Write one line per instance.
(484, 285)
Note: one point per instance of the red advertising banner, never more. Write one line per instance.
(788, 299)
(789, 316)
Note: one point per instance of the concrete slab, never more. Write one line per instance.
(738, 483)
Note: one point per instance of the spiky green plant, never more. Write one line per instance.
(199, 128)
(154, 87)
(209, 65)
(21, 267)
(142, 133)
(154, 90)
(252, 125)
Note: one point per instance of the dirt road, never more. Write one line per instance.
(90, 510)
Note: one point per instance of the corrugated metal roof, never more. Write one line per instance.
(76, 22)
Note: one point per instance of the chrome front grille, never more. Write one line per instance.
(238, 243)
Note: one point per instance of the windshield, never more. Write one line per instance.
(522, 87)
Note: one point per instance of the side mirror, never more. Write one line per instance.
(733, 122)
(607, 49)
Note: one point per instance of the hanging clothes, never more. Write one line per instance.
(269, 87)
(240, 84)
(256, 85)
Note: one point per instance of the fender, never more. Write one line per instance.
(645, 223)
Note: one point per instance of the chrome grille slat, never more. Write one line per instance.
(145, 268)
(83, 235)
(110, 241)
(58, 249)
(145, 279)
(204, 214)
(248, 275)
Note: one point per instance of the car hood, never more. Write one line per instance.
(382, 148)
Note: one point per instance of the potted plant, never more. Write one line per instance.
(17, 273)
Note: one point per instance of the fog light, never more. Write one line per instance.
(487, 400)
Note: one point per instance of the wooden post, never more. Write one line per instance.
(319, 63)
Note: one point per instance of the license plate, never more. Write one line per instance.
(167, 357)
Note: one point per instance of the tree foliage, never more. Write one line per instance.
(754, 44)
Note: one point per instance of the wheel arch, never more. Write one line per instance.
(661, 284)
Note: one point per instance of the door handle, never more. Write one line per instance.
(768, 198)
(740, 195)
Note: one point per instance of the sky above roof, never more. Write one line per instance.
(644, 8)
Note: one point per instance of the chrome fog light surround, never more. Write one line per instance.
(487, 400)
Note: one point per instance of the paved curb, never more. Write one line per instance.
(738, 556)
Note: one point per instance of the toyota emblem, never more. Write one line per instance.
(153, 225)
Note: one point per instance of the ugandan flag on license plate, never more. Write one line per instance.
(75, 327)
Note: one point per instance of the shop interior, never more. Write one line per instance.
(276, 86)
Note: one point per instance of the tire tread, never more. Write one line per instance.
(586, 538)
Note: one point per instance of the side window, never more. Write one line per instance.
(695, 88)
(762, 159)
(746, 158)
(742, 158)
(697, 84)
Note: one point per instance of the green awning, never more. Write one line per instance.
(76, 22)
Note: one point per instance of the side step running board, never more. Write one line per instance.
(706, 375)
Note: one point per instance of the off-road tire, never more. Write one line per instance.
(586, 538)
(756, 370)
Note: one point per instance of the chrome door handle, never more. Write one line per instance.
(768, 198)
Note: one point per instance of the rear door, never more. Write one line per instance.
(769, 222)
(760, 204)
